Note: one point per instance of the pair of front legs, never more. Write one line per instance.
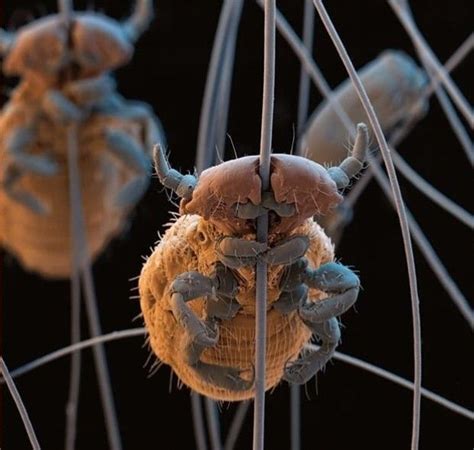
(340, 283)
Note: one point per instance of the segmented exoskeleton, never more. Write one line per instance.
(197, 288)
(64, 62)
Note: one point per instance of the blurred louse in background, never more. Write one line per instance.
(74, 158)
(348, 406)
(64, 64)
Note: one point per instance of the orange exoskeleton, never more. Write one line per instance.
(64, 63)
(197, 289)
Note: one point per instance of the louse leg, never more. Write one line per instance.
(226, 307)
(291, 300)
(59, 108)
(293, 290)
(22, 162)
(91, 91)
(221, 305)
(340, 282)
(236, 252)
(186, 287)
(287, 251)
(18, 141)
(127, 149)
(153, 129)
(12, 175)
(306, 366)
(343, 286)
(202, 334)
(228, 378)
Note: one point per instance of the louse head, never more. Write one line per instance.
(230, 195)
(76, 44)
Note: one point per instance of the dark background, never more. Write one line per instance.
(346, 407)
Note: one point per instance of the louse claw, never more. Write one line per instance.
(224, 377)
(334, 279)
(305, 367)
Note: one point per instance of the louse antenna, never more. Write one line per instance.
(6, 41)
(353, 164)
(139, 20)
(183, 185)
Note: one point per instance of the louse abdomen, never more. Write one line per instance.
(42, 243)
(286, 336)
(189, 245)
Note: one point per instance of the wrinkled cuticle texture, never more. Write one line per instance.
(189, 245)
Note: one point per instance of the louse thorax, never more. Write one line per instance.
(202, 236)
(230, 195)
(299, 189)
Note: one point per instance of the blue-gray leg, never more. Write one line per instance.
(60, 109)
(124, 147)
(186, 287)
(342, 285)
(237, 252)
(224, 377)
(12, 176)
(291, 300)
(306, 366)
(287, 251)
(337, 280)
(79, 98)
(201, 334)
(22, 163)
(91, 92)
(17, 144)
(293, 290)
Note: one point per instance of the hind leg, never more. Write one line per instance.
(220, 305)
(16, 145)
(339, 282)
(201, 334)
(128, 150)
(342, 285)
(29, 201)
(23, 163)
(306, 366)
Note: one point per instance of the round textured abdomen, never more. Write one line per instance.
(42, 243)
(286, 336)
(189, 245)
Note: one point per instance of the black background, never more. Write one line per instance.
(346, 407)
